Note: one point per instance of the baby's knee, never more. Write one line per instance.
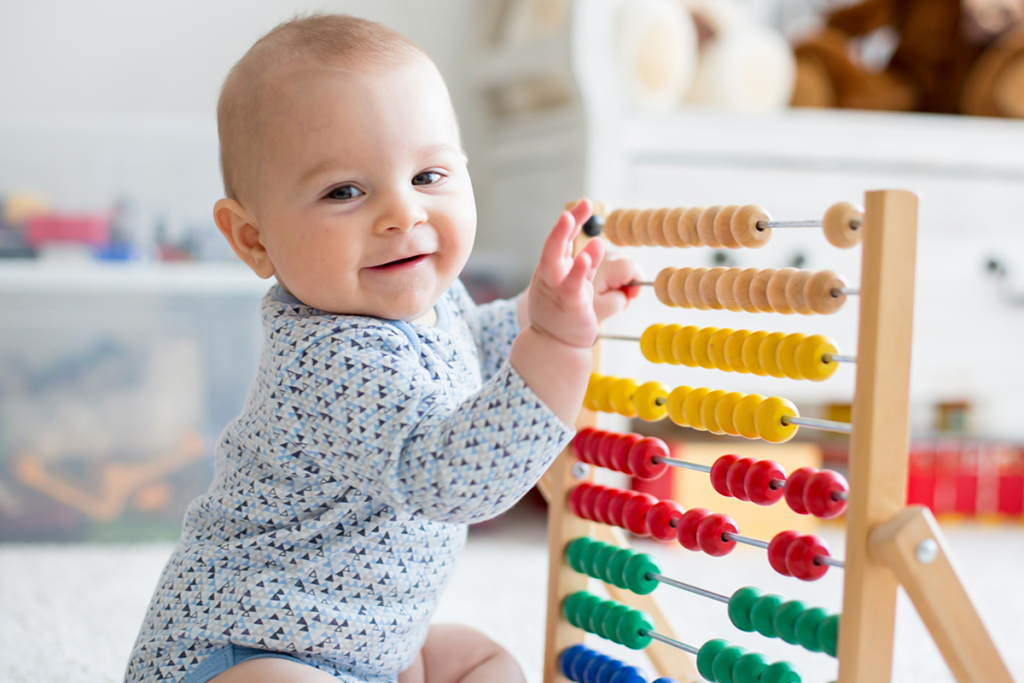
(454, 652)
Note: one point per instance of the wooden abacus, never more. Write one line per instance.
(887, 544)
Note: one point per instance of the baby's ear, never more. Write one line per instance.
(242, 233)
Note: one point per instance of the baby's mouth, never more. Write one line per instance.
(399, 263)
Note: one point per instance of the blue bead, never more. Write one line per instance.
(595, 663)
(580, 663)
(629, 674)
(665, 679)
(609, 669)
(568, 657)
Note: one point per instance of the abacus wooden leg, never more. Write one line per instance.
(880, 435)
(913, 547)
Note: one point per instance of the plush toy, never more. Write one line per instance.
(952, 56)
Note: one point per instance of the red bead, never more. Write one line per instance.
(660, 519)
(818, 494)
(800, 558)
(777, 550)
(735, 477)
(574, 498)
(686, 527)
(579, 443)
(587, 501)
(709, 534)
(601, 501)
(795, 488)
(614, 512)
(620, 451)
(642, 455)
(719, 471)
(634, 512)
(758, 482)
(602, 454)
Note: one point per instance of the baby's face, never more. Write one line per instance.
(365, 203)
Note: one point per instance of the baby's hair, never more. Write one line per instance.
(331, 39)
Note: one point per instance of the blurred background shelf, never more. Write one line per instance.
(127, 279)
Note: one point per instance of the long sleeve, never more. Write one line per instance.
(494, 326)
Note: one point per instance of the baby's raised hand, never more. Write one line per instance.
(612, 292)
(561, 299)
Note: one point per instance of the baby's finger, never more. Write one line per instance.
(596, 250)
(557, 246)
(581, 212)
(582, 266)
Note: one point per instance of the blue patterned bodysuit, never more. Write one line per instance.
(342, 491)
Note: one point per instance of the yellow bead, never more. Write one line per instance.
(664, 344)
(588, 398)
(601, 388)
(768, 354)
(675, 405)
(725, 413)
(716, 349)
(787, 355)
(700, 347)
(769, 420)
(810, 357)
(744, 414)
(620, 395)
(691, 407)
(751, 347)
(734, 351)
(650, 401)
(682, 345)
(649, 343)
(707, 411)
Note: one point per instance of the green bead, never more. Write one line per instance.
(588, 555)
(617, 564)
(570, 607)
(610, 624)
(807, 628)
(785, 620)
(630, 627)
(593, 624)
(749, 668)
(739, 607)
(762, 614)
(584, 608)
(636, 571)
(781, 672)
(725, 661)
(828, 634)
(574, 550)
(601, 562)
(706, 656)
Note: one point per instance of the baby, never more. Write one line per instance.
(388, 410)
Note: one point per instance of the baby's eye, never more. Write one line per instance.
(427, 178)
(344, 192)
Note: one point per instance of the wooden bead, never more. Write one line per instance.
(611, 226)
(692, 289)
(620, 395)
(777, 290)
(795, 292)
(624, 228)
(656, 228)
(787, 355)
(649, 400)
(751, 353)
(744, 226)
(687, 226)
(707, 411)
(716, 349)
(769, 420)
(649, 343)
(706, 227)
(768, 354)
(723, 289)
(691, 407)
(744, 415)
(725, 410)
(639, 227)
(810, 357)
(701, 347)
(677, 287)
(741, 290)
(734, 351)
(843, 225)
(723, 227)
(759, 290)
(661, 283)
(671, 228)
(818, 292)
(707, 288)
(663, 344)
(682, 346)
(675, 405)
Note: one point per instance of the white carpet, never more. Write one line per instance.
(69, 613)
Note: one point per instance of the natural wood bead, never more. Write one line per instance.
(688, 226)
(741, 289)
(656, 228)
(692, 289)
(677, 288)
(777, 291)
(611, 226)
(795, 292)
(843, 225)
(744, 226)
(671, 228)
(724, 287)
(706, 227)
(818, 292)
(624, 228)
(723, 227)
(759, 290)
(639, 228)
(707, 288)
(661, 285)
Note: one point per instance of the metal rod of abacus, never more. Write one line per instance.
(746, 540)
(849, 291)
(682, 463)
(670, 641)
(811, 223)
(687, 587)
(815, 423)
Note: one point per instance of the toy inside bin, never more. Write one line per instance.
(92, 230)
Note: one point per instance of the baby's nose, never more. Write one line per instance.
(400, 214)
